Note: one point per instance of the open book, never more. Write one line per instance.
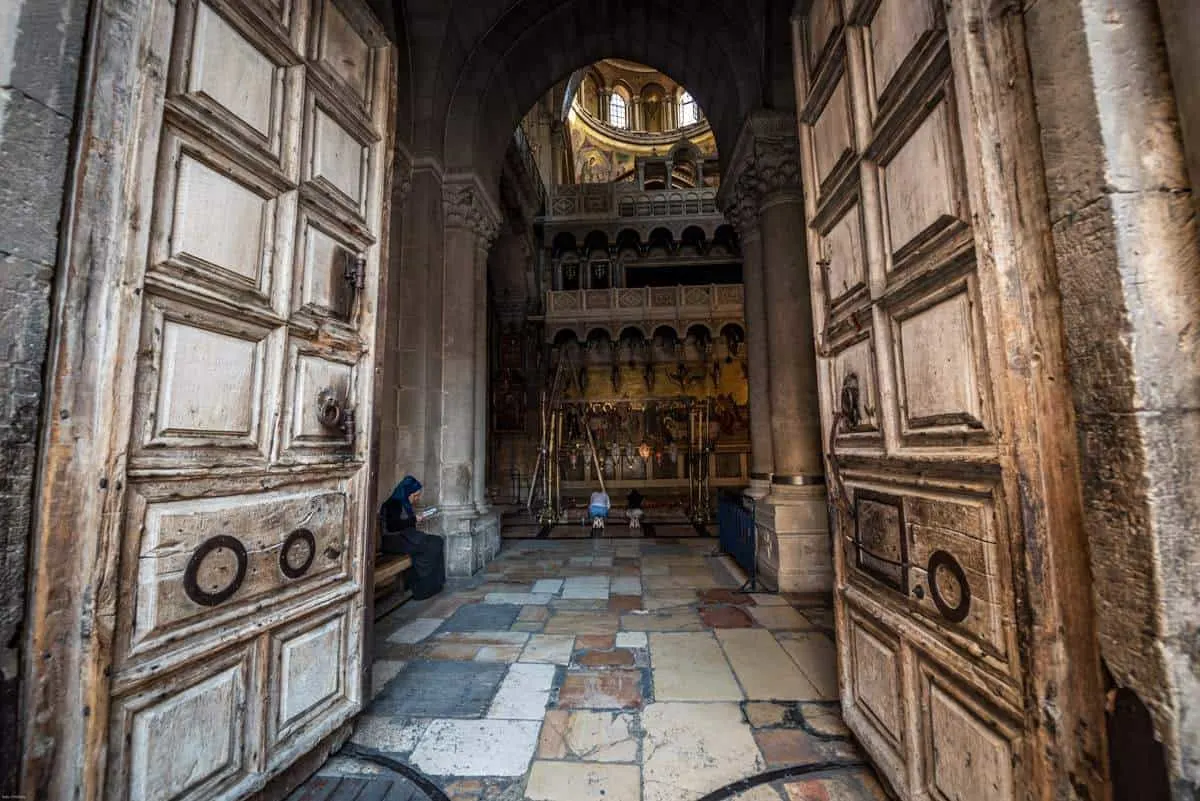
(425, 514)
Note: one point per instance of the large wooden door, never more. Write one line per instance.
(238, 611)
(935, 523)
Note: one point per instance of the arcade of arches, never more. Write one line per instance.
(888, 309)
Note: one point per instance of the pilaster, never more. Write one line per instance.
(471, 224)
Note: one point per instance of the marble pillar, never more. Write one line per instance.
(795, 546)
(471, 224)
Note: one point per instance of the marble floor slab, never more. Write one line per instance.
(477, 747)
(555, 649)
(691, 667)
(524, 694)
(584, 669)
(693, 749)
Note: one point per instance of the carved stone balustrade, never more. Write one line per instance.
(645, 307)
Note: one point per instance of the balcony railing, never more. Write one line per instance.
(576, 201)
(649, 304)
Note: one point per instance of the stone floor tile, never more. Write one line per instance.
(523, 598)
(444, 606)
(569, 781)
(809, 599)
(725, 617)
(555, 649)
(552, 744)
(585, 592)
(668, 620)
(580, 604)
(499, 653)
(383, 671)
(624, 603)
(667, 600)
(764, 714)
(482, 617)
(779, 618)
(658, 584)
(620, 657)
(595, 642)
(591, 579)
(824, 719)
(416, 631)
(768, 599)
(764, 669)
(607, 689)
(563, 622)
(452, 651)
(482, 638)
(835, 788)
(476, 747)
(550, 586)
(816, 656)
(482, 790)
(387, 733)
(533, 614)
(440, 689)
(724, 596)
(626, 585)
(631, 639)
(590, 736)
(693, 749)
(691, 667)
(524, 693)
(528, 628)
(783, 747)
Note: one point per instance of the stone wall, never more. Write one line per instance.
(1125, 237)
(41, 47)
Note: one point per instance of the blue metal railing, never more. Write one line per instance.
(738, 532)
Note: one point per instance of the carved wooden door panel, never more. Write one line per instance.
(239, 616)
(926, 613)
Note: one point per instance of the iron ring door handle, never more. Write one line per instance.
(335, 414)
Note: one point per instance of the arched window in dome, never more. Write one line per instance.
(689, 112)
(616, 111)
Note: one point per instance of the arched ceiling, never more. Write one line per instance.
(479, 65)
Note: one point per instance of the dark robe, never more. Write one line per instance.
(400, 536)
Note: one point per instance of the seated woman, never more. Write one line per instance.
(400, 536)
(598, 508)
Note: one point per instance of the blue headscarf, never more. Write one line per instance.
(404, 491)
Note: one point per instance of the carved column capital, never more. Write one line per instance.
(402, 173)
(765, 161)
(777, 164)
(742, 204)
(465, 206)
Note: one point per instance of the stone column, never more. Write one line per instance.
(470, 226)
(743, 211)
(795, 545)
(479, 474)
